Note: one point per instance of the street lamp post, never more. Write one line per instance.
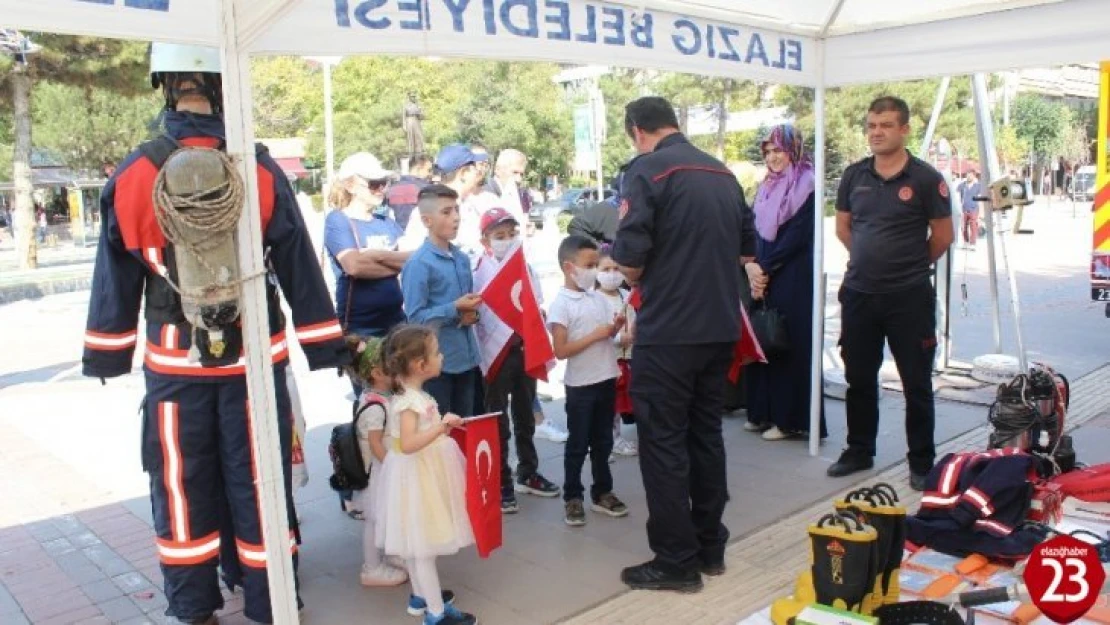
(328, 62)
(587, 78)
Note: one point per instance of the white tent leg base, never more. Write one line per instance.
(995, 368)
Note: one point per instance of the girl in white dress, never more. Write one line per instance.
(421, 506)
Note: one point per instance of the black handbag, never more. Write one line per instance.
(769, 327)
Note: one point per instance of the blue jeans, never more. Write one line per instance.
(454, 392)
(590, 422)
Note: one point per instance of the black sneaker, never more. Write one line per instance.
(537, 485)
(508, 503)
(575, 513)
(651, 576)
(713, 569)
(917, 481)
(850, 462)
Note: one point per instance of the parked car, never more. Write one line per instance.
(1083, 184)
(570, 203)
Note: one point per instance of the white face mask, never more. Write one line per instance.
(501, 247)
(610, 280)
(585, 278)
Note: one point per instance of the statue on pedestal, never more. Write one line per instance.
(411, 119)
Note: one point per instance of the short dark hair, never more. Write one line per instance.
(437, 191)
(889, 103)
(573, 244)
(426, 199)
(649, 114)
(420, 161)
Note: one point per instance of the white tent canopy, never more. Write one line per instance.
(863, 40)
(816, 43)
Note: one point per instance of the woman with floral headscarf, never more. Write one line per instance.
(782, 275)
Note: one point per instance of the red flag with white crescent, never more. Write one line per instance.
(481, 443)
(511, 296)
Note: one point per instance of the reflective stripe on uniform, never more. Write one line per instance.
(173, 471)
(188, 552)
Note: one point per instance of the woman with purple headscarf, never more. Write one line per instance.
(782, 275)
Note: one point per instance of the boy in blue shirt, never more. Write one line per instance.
(438, 290)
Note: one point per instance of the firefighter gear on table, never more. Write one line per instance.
(856, 556)
(196, 433)
(977, 502)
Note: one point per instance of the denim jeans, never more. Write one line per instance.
(590, 422)
(454, 392)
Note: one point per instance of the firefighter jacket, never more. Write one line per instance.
(133, 260)
(976, 502)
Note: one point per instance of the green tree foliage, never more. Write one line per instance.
(1013, 150)
(89, 63)
(1042, 123)
(288, 96)
(98, 126)
(500, 105)
(846, 115)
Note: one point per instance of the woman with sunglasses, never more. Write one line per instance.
(782, 276)
(360, 237)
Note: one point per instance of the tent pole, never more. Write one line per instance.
(990, 170)
(262, 416)
(817, 347)
(944, 263)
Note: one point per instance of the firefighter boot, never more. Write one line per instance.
(878, 507)
(784, 611)
(889, 517)
(860, 504)
(803, 588)
(843, 558)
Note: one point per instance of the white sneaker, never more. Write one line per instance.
(384, 575)
(775, 434)
(550, 431)
(625, 447)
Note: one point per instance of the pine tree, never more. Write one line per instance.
(86, 62)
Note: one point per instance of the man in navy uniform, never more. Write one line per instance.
(683, 233)
(196, 432)
(894, 216)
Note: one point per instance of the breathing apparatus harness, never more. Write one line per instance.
(198, 198)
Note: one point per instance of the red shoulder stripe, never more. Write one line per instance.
(135, 208)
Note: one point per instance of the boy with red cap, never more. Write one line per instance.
(509, 389)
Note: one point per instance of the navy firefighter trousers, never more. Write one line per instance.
(196, 449)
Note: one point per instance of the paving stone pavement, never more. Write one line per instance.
(764, 564)
(98, 565)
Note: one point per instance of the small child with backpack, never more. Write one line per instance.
(368, 428)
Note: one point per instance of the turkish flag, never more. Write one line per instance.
(747, 350)
(481, 443)
(510, 296)
(635, 299)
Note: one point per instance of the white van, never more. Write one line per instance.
(1083, 183)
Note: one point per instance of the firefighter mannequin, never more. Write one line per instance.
(195, 442)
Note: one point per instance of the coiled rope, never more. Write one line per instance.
(214, 211)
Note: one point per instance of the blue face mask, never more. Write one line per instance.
(382, 211)
(194, 124)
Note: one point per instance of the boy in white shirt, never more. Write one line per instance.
(583, 324)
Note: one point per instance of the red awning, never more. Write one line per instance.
(292, 166)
